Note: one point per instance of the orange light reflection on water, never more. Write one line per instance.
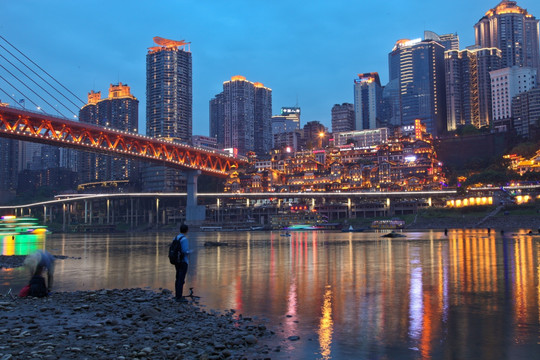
(326, 325)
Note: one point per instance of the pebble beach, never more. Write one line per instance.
(125, 324)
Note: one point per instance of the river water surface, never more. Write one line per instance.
(468, 295)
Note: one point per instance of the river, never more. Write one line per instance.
(468, 295)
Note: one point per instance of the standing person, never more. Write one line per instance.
(180, 248)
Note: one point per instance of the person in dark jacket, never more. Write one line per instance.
(182, 266)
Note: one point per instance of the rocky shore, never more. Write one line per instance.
(125, 324)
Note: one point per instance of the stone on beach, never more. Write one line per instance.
(117, 324)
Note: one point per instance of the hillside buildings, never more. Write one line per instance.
(406, 161)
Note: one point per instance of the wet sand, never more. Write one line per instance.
(126, 324)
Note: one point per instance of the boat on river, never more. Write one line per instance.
(351, 229)
(12, 225)
(388, 224)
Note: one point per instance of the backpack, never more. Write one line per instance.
(38, 287)
(175, 250)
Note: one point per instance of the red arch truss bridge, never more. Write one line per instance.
(30, 126)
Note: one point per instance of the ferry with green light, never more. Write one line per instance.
(12, 225)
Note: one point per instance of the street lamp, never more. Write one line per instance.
(321, 136)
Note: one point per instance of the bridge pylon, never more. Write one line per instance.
(195, 214)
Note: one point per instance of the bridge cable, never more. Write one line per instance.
(12, 97)
(32, 70)
(41, 87)
(29, 99)
(29, 88)
(40, 68)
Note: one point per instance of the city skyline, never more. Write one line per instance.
(309, 54)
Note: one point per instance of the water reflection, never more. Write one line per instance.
(21, 244)
(471, 294)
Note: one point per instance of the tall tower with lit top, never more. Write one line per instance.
(169, 90)
(367, 101)
(246, 116)
(120, 110)
(514, 31)
(168, 106)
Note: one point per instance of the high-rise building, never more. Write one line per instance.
(390, 105)
(120, 110)
(367, 101)
(514, 31)
(468, 86)
(448, 41)
(505, 84)
(526, 113)
(314, 135)
(169, 102)
(262, 119)
(285, 128)
(217, 117)
(419, 66)
(343, 117)
(246, 117)
(9, 168)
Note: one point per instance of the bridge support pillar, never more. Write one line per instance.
(349, 208)
(85, 212)
(195, 214)
(44, 214)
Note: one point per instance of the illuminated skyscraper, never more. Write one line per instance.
(247, 115)
(120, 110)
(468, 86)
(367, 101)
(419, 66)
(168, 106)
(514, 31)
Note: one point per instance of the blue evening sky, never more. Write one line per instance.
(305, 51)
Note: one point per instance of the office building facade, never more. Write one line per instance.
(120, 110)
(244, 109)
(505, 84)
(468, 86)
(367, 101)
(526, 114)
(217, 117)
(419, 66)
(343, 117)
(169, 102)
(514, 31)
